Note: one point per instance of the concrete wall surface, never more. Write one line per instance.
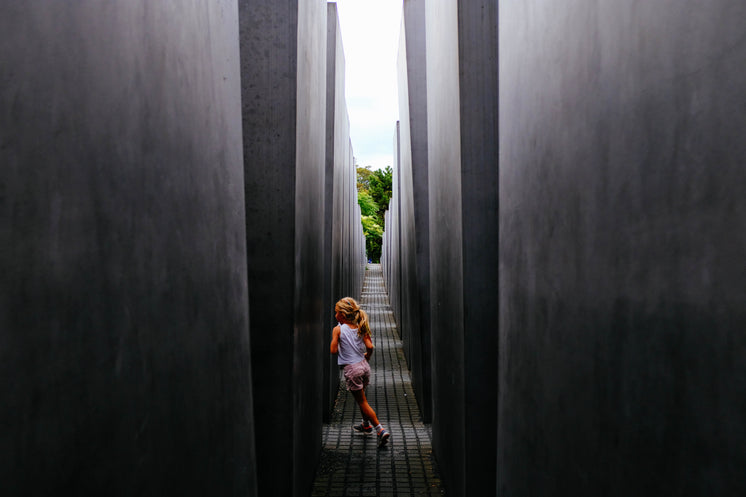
(415, 302)
(391, 242)
(124, 346)
(461, 54)
(283, 79)
(622, 207)
(344, 255)
(408, 299)
(416, 65)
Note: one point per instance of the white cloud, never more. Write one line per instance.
(370, 35)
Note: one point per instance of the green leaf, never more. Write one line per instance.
(368, 206)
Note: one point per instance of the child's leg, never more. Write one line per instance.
(365, 409)
(365, 418)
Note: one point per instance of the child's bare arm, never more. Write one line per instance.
(369, 347)
(334, 347)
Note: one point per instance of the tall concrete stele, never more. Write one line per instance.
(413, 179)
(344, 255)
(463, 198)
(607, 354)
(443, 224)
(303, 250)
(124, 345)
(283, 80)
(622, 207)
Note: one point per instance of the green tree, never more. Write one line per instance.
(374, 192)
(368, 206)
(373, 232)
(381, 182)
(363, 178)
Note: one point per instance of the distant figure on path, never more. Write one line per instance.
(351, 340)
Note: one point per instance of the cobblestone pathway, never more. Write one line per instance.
(350, 462)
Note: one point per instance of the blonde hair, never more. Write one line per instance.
(354, 315)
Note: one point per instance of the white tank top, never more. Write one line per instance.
(351, 347)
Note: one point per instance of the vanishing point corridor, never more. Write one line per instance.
(350, 463)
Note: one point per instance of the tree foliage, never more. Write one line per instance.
(368, 206)
(374, 192)
(363, 178)
(381, 182)
(371, 226)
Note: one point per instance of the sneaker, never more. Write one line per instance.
(383, 437)
(364, 429)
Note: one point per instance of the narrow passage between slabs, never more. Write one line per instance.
(350, 462)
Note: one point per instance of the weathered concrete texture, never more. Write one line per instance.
(283, 79)
(461, 53)
(344, 255)
(387, 252)
(124, 347)
(623, 305)
(391, 243)
(406, 298)
(415, 251)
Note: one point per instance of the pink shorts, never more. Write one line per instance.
(357, 376)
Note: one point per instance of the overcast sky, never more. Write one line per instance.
(370, 35)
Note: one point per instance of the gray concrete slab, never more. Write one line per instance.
(391, 258)
(621, 212)
(413, 17)
(461, 51)
(124, 347)
(344, 256)
(283, 63)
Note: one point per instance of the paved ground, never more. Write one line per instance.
(350, 462)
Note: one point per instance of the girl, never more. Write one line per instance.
(351, 340)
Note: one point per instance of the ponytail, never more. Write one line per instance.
(363, 327)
